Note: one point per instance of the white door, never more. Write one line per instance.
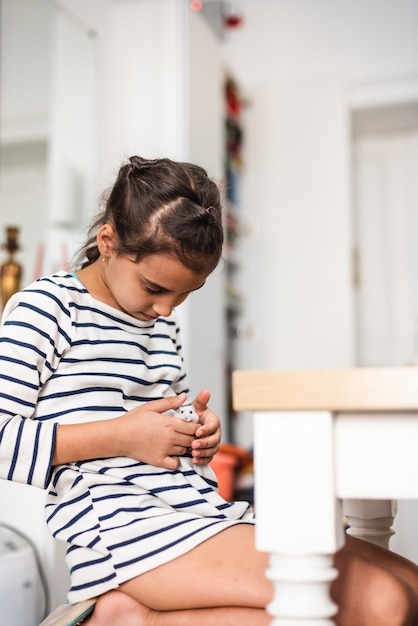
(386, 226)
(385, 169)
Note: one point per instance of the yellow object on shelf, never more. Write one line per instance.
(10, 270)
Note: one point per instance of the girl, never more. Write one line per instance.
(93, 362)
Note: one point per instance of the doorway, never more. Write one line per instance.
(385, 198)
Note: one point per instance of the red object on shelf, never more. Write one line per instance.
(195, 5)
(233, 21)
(233, 102)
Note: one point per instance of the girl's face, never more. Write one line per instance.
(145, 289)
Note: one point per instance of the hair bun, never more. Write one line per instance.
(139, 165)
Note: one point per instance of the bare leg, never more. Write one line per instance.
(374, 586)
(226, 570)
(222, 582)
(402, 567)
(118, 609)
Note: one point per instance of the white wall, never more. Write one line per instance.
(25, 86)
(142, 80)
(354, 40)
(302, 66)
(296, 197)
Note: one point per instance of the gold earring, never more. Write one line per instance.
(104, 259)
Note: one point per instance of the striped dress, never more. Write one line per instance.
(68, 358)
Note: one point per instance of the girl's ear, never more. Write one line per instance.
(106, 240)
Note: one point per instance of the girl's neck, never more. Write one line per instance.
(92, 279)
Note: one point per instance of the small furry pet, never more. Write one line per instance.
(185, 412)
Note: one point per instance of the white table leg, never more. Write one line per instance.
(299, 520)
(370, 520)
(301, 590)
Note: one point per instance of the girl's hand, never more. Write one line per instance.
(147, 435)
(208, 432)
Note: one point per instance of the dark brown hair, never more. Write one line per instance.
(162, 206)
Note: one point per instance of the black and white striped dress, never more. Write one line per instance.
(68, 358)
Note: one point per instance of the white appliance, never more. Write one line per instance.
(19, 581)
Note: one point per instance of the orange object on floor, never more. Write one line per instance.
(225, 463)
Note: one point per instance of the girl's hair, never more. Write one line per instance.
(162, 206)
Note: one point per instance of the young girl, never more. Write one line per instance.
(92, 363)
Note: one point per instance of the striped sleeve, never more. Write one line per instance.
(33, 335)
(26, 450)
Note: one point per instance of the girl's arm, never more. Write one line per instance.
(28, 357)
(144, 434)
(36, 331)
(26, 449)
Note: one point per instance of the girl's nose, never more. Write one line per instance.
(163, 307)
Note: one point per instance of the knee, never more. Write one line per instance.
(368, 595)
(398, 604)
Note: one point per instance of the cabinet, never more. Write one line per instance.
(48, 137)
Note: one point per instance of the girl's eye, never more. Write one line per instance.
(152, 290)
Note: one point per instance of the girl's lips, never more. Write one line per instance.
(149, 317)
